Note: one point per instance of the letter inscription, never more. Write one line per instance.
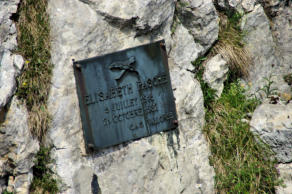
(125, 95)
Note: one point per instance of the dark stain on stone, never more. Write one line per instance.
(94, 185)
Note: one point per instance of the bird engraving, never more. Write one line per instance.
(124, 67)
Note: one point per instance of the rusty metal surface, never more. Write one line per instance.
(125, 95)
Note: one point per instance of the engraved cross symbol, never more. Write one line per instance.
(124, 67)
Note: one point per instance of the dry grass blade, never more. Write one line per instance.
(231, 47)
(34, 44)
(34, 84)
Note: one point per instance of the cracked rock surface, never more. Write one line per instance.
(169, 162)
(10, 63)
(17, 150)
(273, 124)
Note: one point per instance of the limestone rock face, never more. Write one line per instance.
(142, 15)
(261, 46)
(17, 149)
(184, 49)
(169, 162)
(285, 171)
(10, 64)
(201, 19)
(273, 124)
(282, 31)
(216, 73)
(238, 5)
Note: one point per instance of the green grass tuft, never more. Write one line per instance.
(35, 82)
(43, 181)
(208, 93)
(34, 45)
(242, 164)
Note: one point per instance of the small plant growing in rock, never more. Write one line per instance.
(267, 89)
(288, 79)
(6, 192)
(208, 93)
(43, 180)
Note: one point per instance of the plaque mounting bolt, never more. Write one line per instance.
(78, 65)
(175, 122)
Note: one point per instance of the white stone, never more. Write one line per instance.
(248, 5)
(215, 73)
(18, 62)
(184, 50)
(262, 48)
(10, 64)
(273, 124)
(285, 171)
(143, 15)
(201, 19)
(17, 147)
(168, 162)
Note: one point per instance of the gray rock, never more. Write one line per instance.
(7, 27)
(17, 148)
(201, 19)
(85, 181)
(215, 73)
(274, 7)
(261, 46)
(248, 5)
(285, 171)
(10, 64)
(236, 5)
(227, 4)
(143, 15)
(273, 124)
(184, 50)
(169, 162)
(282, 31)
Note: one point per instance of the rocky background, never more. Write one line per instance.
(169, 162)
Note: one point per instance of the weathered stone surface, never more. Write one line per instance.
(184, 50)
(248, 5)
(285, 171)
(201, 19)
(10, 67)
(238, 5)
(84, 180)
(273, 124)
(10, 64)
(282, 31)
(142, 15)
(215, 73)
(17, 148)
(7, 27)
(227, 4)
(170, 162)
(261, 46)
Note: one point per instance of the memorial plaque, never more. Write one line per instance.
(125, 95)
